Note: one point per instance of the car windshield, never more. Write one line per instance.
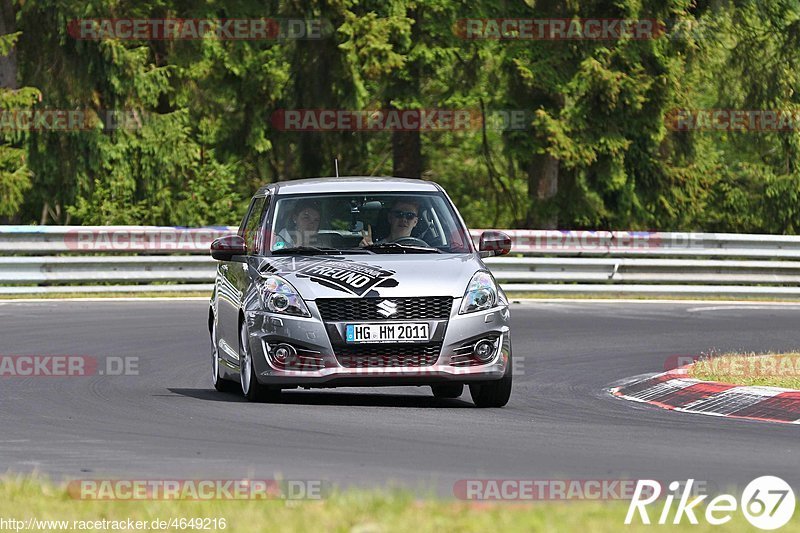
(387, 223)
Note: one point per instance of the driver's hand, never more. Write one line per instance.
(366, 236)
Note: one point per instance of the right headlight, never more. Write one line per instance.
(481, 293)
(278, 296)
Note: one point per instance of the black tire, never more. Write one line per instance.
(493, 393)
(251, 388)
(448, 390)
(220, 383)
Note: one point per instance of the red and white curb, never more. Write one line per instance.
(676, 391)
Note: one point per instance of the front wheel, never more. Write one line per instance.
(493, 393)
(220, 383)
(251, 388)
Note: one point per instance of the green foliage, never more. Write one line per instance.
(755, 63)
(595, 151)
(14, 173)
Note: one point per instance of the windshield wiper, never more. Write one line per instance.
(307, 250)
(404, 248)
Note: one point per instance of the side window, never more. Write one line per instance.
(264, 228)
(252, 223)
(246, 217)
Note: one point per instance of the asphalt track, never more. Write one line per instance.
(166, 422)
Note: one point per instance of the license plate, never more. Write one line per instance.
(391, 332)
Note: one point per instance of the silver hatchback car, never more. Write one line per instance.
(362, 282)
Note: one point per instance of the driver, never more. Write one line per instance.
(402, 217)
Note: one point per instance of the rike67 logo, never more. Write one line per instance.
(767, 502)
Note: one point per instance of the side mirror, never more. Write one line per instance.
(494, 243)
(224, 248)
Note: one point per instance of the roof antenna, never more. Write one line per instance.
(336, 162)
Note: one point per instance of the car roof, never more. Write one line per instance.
(350, 184)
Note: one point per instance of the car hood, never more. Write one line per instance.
(374, 276)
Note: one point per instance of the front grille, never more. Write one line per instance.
(355, 309)
(388, 355)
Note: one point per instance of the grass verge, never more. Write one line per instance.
(23, 498)
(767, 369)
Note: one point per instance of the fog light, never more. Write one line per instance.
(284, 353)
(483, 351)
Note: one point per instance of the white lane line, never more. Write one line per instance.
(734, 302)
(126, 299)
(740, 307)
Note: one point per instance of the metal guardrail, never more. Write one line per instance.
(76, 259)
(90, 240)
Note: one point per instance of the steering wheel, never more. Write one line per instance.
(411, 241)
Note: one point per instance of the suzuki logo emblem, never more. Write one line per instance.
(387, 308)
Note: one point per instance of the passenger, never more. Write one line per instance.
(302, 228)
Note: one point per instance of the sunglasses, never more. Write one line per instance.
(408, 215)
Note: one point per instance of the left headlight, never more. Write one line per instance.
(278, 296)
(481, 293)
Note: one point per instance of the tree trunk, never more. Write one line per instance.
(407, 145)
(406, 154)
(542, 186)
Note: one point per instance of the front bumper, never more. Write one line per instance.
(317, 364)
